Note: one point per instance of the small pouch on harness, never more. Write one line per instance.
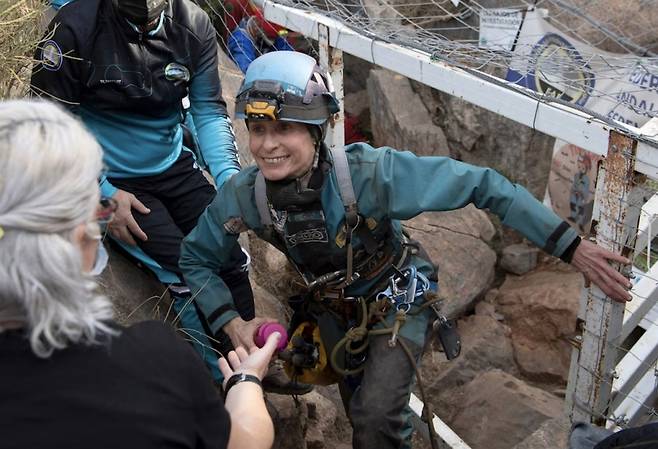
(446, 332)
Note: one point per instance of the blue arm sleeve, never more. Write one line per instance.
(410, 185)
(214, 129)
(58, 3)
(204, 252)
(241, 48)
(107, 189)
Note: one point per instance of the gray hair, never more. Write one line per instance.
(49, 168)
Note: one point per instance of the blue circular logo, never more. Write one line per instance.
(51, 56)
(176, 72)
(557, 70)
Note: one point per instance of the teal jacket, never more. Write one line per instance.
(388, 184)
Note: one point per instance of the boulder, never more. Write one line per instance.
(289, 417)
(541, 309)
(231, 78)
(458, 242)
(399, 118)
(136, 294)
(311, 421)
(321, 416)
(485, 345)
(478, 136)
(271, 269)
(614, 15)
(499, 411)
(553, 433)
(487, 307)
(269, 305)
(357, 103)
(519, 258)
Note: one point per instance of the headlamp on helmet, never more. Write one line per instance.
(286, 85)
(264, 100)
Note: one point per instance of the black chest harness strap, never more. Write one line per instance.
(344, 178)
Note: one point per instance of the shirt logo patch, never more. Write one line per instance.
(176, 72)
(51, 56)
(316, 235)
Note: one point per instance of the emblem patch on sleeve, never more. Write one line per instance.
(235, 225)
(176, 72)
(51, 56)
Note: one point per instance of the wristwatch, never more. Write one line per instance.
(241, 377)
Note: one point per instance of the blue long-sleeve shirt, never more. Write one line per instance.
(127, 86)
(388, 184)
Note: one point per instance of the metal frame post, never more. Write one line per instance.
(591, 383)
(331, 60)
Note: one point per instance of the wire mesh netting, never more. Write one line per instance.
(599, 56)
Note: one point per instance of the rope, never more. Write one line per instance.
(427, 407)
(361, 333)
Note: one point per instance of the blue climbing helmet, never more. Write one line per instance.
(286, 85)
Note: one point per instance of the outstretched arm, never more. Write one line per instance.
(251, 425)
(456, 184)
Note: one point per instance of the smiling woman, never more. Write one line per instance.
(336, 214)
(281, 149)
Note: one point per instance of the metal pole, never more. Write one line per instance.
(331, 60)
(601, 320)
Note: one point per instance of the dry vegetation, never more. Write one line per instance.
(20, 31)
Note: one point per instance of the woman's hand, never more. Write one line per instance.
(593, 261)
(123, 226)
(256, 363)
(242, 332)
(251, 425)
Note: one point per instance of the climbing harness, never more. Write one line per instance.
(401, 293)
(311, 359)
(376, 255)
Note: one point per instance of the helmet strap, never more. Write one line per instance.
(316, 134)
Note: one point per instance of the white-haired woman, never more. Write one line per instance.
(69, 376)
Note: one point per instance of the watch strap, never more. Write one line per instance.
(240, 377)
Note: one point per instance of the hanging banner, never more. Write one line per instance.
(621, 87)
(499, 27)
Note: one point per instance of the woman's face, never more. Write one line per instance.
(282, 150)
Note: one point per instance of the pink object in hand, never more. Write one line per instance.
(266, 329)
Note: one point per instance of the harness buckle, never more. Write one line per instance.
(403, 290)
